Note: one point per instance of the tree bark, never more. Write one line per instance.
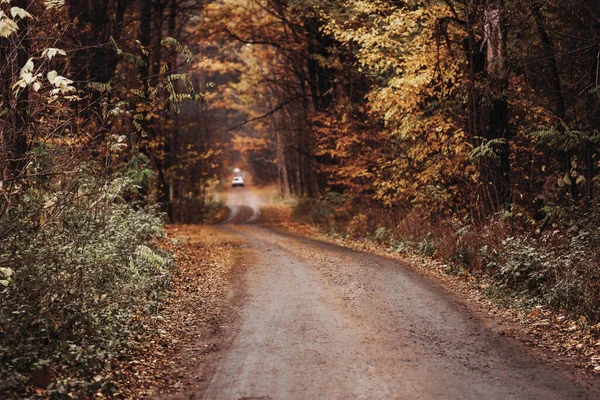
(548, 48)
(18, 140)
(495, 172)
(556, 90)
(145, 37)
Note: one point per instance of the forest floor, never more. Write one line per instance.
(262, 311)
(190, 328)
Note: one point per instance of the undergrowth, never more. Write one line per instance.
(79, 271)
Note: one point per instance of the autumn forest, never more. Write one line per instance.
(467, 131)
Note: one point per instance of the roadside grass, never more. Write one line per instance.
(78, 276)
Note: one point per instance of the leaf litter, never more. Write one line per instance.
(168, 360)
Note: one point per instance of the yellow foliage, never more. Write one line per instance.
(424, 152)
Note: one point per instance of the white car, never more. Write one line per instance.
(237, 181)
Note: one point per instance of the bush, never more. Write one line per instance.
(426, 247)
(79, 270)
(559, 269)
(316, 212)
(401, 246)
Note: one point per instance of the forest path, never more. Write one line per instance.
(324, 322)
(244, 206)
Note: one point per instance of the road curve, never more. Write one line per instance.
(324, 322)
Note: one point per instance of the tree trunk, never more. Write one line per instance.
(145, 38)
(557, 97)
(18, 139)
(284, 183)
(548, 47)
(495, 172)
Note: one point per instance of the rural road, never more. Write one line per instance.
(324, 322)
(244, 206)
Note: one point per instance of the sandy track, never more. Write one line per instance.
(324, 322)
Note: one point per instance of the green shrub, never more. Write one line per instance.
(559, 269)
(525, 265)
(401, 246)
(383, 234)
(79, 270)
(426, 246)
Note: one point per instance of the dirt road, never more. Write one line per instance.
(244, 206)
(324, 322)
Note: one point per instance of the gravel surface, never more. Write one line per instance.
(324, 322)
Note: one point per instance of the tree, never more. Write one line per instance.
(295, 86)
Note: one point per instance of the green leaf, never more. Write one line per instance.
(182, 49)
(132, 58)
(54, 4)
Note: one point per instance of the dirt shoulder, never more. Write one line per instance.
(175, 359)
